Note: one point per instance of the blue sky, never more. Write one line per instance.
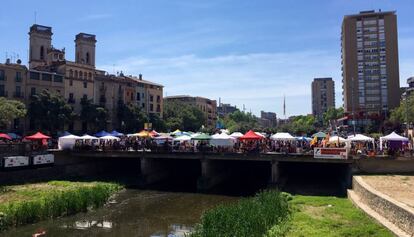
(245, 52)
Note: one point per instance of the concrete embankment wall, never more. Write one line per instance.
(384, 166)
(394, 211)
(68, 166)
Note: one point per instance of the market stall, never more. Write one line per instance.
(395, 141)
(223, 140)
(282, 136)
(67, 142)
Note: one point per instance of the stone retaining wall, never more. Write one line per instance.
(396, 212)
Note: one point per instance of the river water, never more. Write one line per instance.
(132, 213)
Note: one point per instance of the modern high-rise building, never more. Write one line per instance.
(370, 67)
(323, 96)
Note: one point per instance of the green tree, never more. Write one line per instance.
(131, 118)
(49, 111)
(95, 116)
(332, 114)
(183, 117)
(240, 122)
(10, 110)
(404, 112)
(157, 123)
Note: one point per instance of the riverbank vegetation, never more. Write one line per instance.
(274, 214)
(30, 203)
(248, 217)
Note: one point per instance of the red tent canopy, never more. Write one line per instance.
(37, 136)
(5, 136)
(251, 135)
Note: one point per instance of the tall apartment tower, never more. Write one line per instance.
(323, 96)
(370, 70)
(85, 49)
(40, 38)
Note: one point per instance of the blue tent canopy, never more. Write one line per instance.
(116, 133)
(14, 135)
(102, 134)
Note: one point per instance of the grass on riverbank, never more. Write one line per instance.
(248, 217)
(329, 216)
(272, 214)
(24, 204)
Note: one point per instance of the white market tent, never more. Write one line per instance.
(222, 140)
(360, 138)
(109, 138)
(334, 139)
(282, 136)
(392, 137)
(236, 134)
(88, 137)
(67, 142)
(260, 134)
(182, 138)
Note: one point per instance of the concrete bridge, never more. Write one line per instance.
(213, 168)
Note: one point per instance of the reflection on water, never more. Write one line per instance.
(133, 213)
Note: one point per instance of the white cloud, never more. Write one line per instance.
(257, 80)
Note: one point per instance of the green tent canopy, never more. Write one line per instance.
(201, 136)
(319, 135)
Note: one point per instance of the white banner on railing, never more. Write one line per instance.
(15, 161)
(43, 159)
(330, 153)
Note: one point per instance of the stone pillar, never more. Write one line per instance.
(275, 173)
(212, 173)
(152, 171)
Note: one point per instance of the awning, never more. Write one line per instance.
(251, 135)
(37, 136)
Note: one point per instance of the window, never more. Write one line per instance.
(85, 84)
(42, 52)
(2, 92)
(76, 74)
(158, 108)
(151, 107)
(46, 77)
(58, 78)
(2, 75)
(18, 91)
(90, 76)
(143, 105)
(34, 75)
(33, 91)
(18, 76)
(158, 99)
(70, 82)
(138, 96)
(87, 57)
(71, 73)
(151, 98)
(80, 74)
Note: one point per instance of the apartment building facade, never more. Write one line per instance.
(323, 96)
(370, 66)
(74, 80)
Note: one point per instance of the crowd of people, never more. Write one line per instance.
(262, 145)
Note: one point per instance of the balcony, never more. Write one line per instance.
(71, 101)
(18, 95)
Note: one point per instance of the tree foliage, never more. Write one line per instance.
(183, 117)
(10, 110)
(300, 125)
(331, 114)
(239, 121)
(94, 115)
(49, 111)
(404, 112)
(131, 118)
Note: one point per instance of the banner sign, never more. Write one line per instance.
(16, 161)
(330, 153)
(43, 159)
